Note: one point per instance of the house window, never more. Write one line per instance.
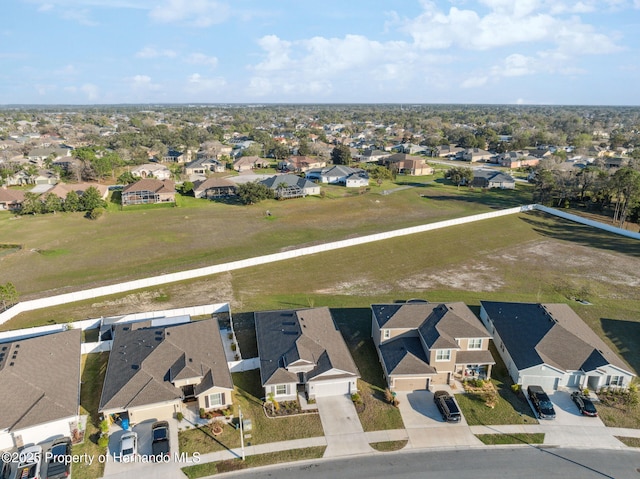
(386, 333)
(615, 381)
(281, 390)
(214, 400)
(443, 355)
(475, 343)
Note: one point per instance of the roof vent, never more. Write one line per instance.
(135, 367)
(18, 345)
(10, 364)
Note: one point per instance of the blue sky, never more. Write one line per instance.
(304, 51)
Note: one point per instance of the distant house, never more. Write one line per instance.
(151, 170)
(291, 186)
(175, 156)
(248, 163)
(475, 154)
(492, 179)
(39, 388)
(301, 164)
(424, 344)
(40, 154)
(446, 150)
(154, 371)
(62, 189)
(303, 351)
(408, 164)
(214, 188)
(68, 164)
(517, 159)
(614, 162)
(549, 345)
(11, 200)
(149, 191)
(372, 156)
(339, 174)
(203, 166)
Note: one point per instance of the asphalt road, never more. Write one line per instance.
(474, 463)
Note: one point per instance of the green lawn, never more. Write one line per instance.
(389, 446)
(515, 438)
(211, 468)
(629, 441)
(248, 394)
(94, 367)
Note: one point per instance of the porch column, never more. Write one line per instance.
(489, 371)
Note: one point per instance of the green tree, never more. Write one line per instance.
(254, 192)
(72, 202)
(303, 148)
(341, 155)
(91, 199)
(126, 178)
(31, 204)
(187, 188)
(544, 186)
(52, 203)
(460, 175)
(626, 184)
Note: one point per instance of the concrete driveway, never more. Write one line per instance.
(424, 423)
(342, 428)
(567, 413)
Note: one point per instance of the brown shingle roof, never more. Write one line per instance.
(151, 184)
(39, 379)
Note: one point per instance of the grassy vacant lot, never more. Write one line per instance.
(515, 438)
(65, 251)
(211, 468)
(247, 395)
(94, 367)
(510, 409)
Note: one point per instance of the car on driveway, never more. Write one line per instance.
(160, 443)
(541, 402)
(447, 406)
(585, 406)
(128, 446)
(57, 466)
(5, 469)
(29, 463)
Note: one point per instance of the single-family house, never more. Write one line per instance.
(421, 344)
(11, 200)
(149, 191)
(62, 189)
(492, 179)
(549, 345)
(203, 166)
(175, 156)
(408, 164)
(615, 162)
(475, 154)
(248, 163)
(372, 156)
(151, 170)
(301, 164)
(302, 351)
(517, 159)
(339, 174)
(40, 154)
(214, 188)
(449, 151)
(39, 388)
(291, 186)
(153, 372)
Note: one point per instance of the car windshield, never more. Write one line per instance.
(59, 450)
(159, 434)
(546, 405)
(127, 452)
(588, 406)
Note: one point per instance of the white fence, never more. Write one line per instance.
(270, 258)
(244, 365)
(99, 347)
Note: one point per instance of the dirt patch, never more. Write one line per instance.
(474, 277)
(359, 287)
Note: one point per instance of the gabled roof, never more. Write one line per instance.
(448, 322)
(11, 196)
(144, 361)
(550, 334)
(493, 175)
(289, 180)
(213, 183)
(287, 336)
(39, 379)
(405, 355)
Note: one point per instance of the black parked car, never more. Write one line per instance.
(541, 402)
(160, 444)
(584, 404)
(448, 406)
(56, 467)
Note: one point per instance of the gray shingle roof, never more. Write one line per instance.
(289, 180)
(144, 360)
(287, 336)
(405, 355)
(552, 334)
(39, 379)
(448, 322)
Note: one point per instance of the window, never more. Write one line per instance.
(615, 381)
(386, 333)
(443, 355)
(475, 343)
(214, 400)
(281, 389)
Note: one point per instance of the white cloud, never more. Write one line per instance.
(91, 91)
(197, 13)
(196, 83)
(474, 82)
(143, 82)
(202, 59)
(150, 52)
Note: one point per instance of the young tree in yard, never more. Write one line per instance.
(341, 155)
(187, 188)
(71, 202)
(254, 192)
(91, 199)
(460, 175)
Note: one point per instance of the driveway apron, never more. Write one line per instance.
(342, 428)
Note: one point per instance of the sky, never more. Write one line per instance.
(561, 52)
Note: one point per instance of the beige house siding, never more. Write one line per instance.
(227, 398)
(156, 412)
(442, 365)
(409, 384)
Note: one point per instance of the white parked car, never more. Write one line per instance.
(29, 463)
(128, 446)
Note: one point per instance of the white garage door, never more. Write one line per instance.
(331, 388)
(548, 383)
